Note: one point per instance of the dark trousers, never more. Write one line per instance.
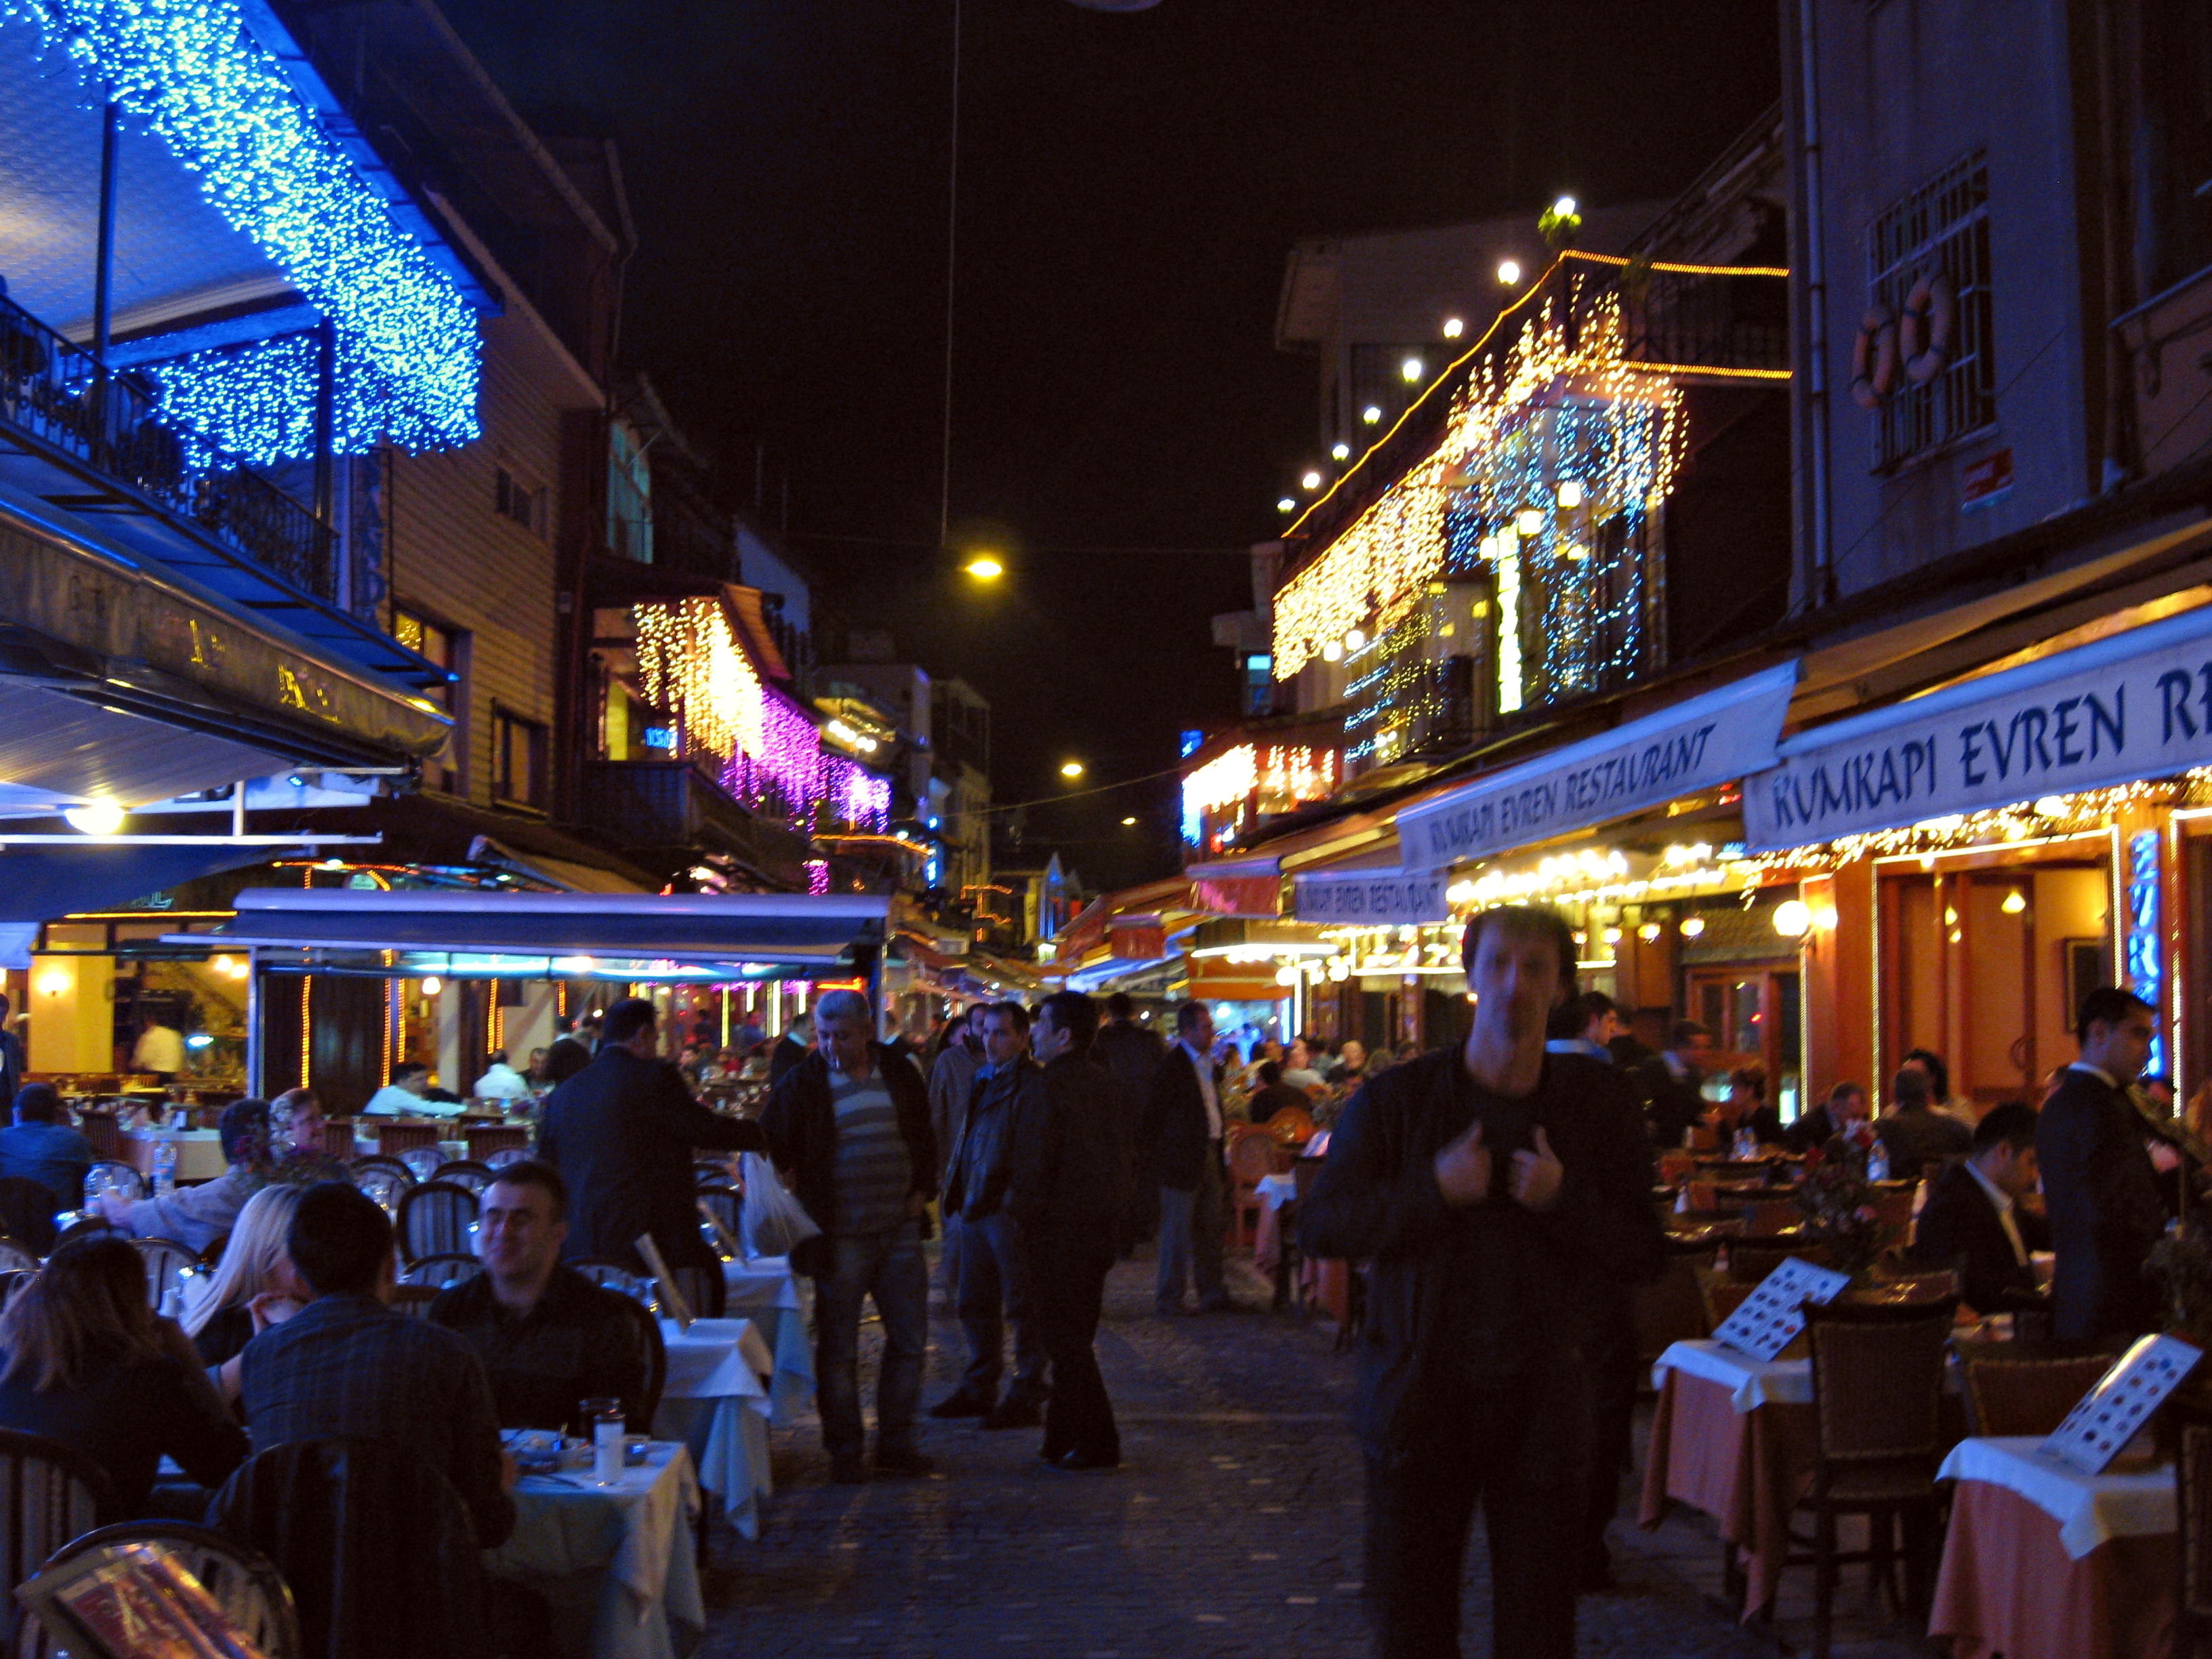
(993, 1292)
(1518, 1451)
(1067, 1281)
(888, 1269)
(1615, 1369)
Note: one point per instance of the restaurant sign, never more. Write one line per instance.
(1382, 897)
(2137, 705)
(1709, 740)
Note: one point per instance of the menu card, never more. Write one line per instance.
(2109, 1414)
(1768, 1319)
(672, 1300)
(133, 1601)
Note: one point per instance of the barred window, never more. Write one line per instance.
(1941, 228)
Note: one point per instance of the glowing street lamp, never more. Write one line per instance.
(985, 568)
(1071, 769)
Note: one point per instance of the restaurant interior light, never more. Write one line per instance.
(2014, 902)
(432, 985)
(1791, 918)
(1692, 926)
(1648, 932)
(95, 818)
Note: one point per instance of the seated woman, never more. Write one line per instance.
(83, 1361)
(256, 1269)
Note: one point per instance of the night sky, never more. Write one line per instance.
(1130, 185)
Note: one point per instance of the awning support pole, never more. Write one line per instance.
(254, 1044)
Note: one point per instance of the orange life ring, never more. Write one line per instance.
(1873, 359)
(1928, 332)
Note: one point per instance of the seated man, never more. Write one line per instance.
(41, 1147)
(1973, 1219)
(548, 1337)
(1915, 1133)
(194, 1217)
(347, 1364)
(408, 1095)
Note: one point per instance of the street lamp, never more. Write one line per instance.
(984, 568)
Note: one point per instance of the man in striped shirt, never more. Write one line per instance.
(849, 1127)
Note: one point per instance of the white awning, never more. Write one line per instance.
(2134, 705)
(1710, 739)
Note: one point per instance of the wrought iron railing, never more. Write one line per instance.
(53, 391)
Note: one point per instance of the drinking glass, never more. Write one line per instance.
(603, 1422)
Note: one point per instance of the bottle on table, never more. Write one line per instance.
(165, 1166)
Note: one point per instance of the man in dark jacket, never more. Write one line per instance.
(993, 1290)
(1973, 1219)
(1133, 1052)
(1068, 1192)
(2099, 1183)
(1493, 1189)
(849, 1127)
(1915, 1134)
(1669, 1083)
(793, 1046)
(1181, 1142)
(622, 1133)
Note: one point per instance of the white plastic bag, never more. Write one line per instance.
(774, 1223)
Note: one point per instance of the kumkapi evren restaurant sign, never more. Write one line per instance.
(1709, 740)
(2137, 705)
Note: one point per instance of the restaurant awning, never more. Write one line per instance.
(2133, 706)
(39, 884)
(487, 934)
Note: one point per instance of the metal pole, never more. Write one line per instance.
(256, 1045)
(103, 270)
(238, 808)
(327, 399)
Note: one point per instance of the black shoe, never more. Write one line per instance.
(1080, 1460)
(904, 1462)
(1014, 1412)
(961, 1404)
(848, 1468)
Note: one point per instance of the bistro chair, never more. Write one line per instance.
(1878, 1438)
(84, 1227)
(615, 1276)
(1771, 1215)
(724, 1203)
(16, 1258)
(395, 1140)
(2192, 1478)
(507, 1155)
(211, 1256)
(49, 1494)
(391, 1166)
(653, 1365)
(465, 1172)
(435, 1218)
(1253, 1156)
(12, 1280)
(485, 1139)
(169, 1268)
(438, 1272)
(704, 1290)
(2015, 1388)
(387, 1186)
(103, 1133)
(1291, 1126)
(26, 1213)
(710, 1172)
(422, 1162)
(241, 1581)
(115, 1175)
(1752, 1257)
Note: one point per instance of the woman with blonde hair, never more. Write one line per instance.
(255, 1273)
(83, 1361)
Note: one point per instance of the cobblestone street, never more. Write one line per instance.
(1232, 1528)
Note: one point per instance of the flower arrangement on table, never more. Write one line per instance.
(1838, 1203)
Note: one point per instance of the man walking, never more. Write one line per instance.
(621, 1133)
(1491, 1187)
(1066, 1197)
(1182, 1140)
(1133, 1053)
(1670, 1083)
(950, 1080)
(2099, 1183)
(849, 1127)
(993, 1290)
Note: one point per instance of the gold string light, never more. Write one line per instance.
(690, 663)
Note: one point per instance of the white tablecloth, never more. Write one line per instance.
(199, 1152)
(1276, 1190)
(716, 1401)
(2090, 1508)
(767, 1292)
(1751, 1383)
(615, 1563)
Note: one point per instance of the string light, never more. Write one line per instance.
(1258, 781)
(196, 76)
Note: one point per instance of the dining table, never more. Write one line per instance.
(615, 1563)
(2042, 1561)
(766, 1291)
(715, 1400)
(199, 1153)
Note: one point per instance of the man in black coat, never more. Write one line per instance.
(1492, 1187)
(1915, 1134)
(1668, 1084)
(1181, 1152)
(2099, 1183)
(622, 1133)
(793, 1046)
(1069, 1189)
(1133, 1052)
(1973, 1218)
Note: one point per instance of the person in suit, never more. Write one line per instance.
(1133, 1052)
(1915, 1134)
(1069, 1186)
(1182, 1142)
(11, 1056)
(1846, 1104)
(793, 1046)
(1974, 1217)
(2099, 1183)
(1669, 1082)
(621, 1132)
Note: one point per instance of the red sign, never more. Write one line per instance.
(1137, 944)
(1239, 895)
(1986, 481)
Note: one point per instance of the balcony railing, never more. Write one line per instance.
(53, 391)
(661, 805)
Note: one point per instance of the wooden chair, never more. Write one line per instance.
(337, 1139)
(2192, 1476)
(1253, 1156)
(1291, 1126)
(653, 1365)
(120, 1176)
(1771, 1215)
(1723, 1298)
(49, 1494)
(435, 1218)
(1751, 1256)
(486, 1138)
(394, 1139)
(437, 1271)
(2014, 1388)
(465, 1172)
(242, 1581)
(103, 1133)
(1878, 1439)
(1673, 1308)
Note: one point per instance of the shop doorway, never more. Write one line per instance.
(1754, 1015)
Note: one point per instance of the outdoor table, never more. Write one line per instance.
(715, 1400)
(767, 1292)
(199, 1152)
(1733, 1437)
(616, 1564)
(2043, 1562)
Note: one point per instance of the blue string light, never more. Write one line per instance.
(407, 346)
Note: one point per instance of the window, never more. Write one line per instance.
(448, 648)
(513, 498)
(1942, 227)
(2173, 146)
(518, 759)
(630, 496)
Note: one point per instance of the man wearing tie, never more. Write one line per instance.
(1182, 1136)
(2098, 1178)
(1974, 1216)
